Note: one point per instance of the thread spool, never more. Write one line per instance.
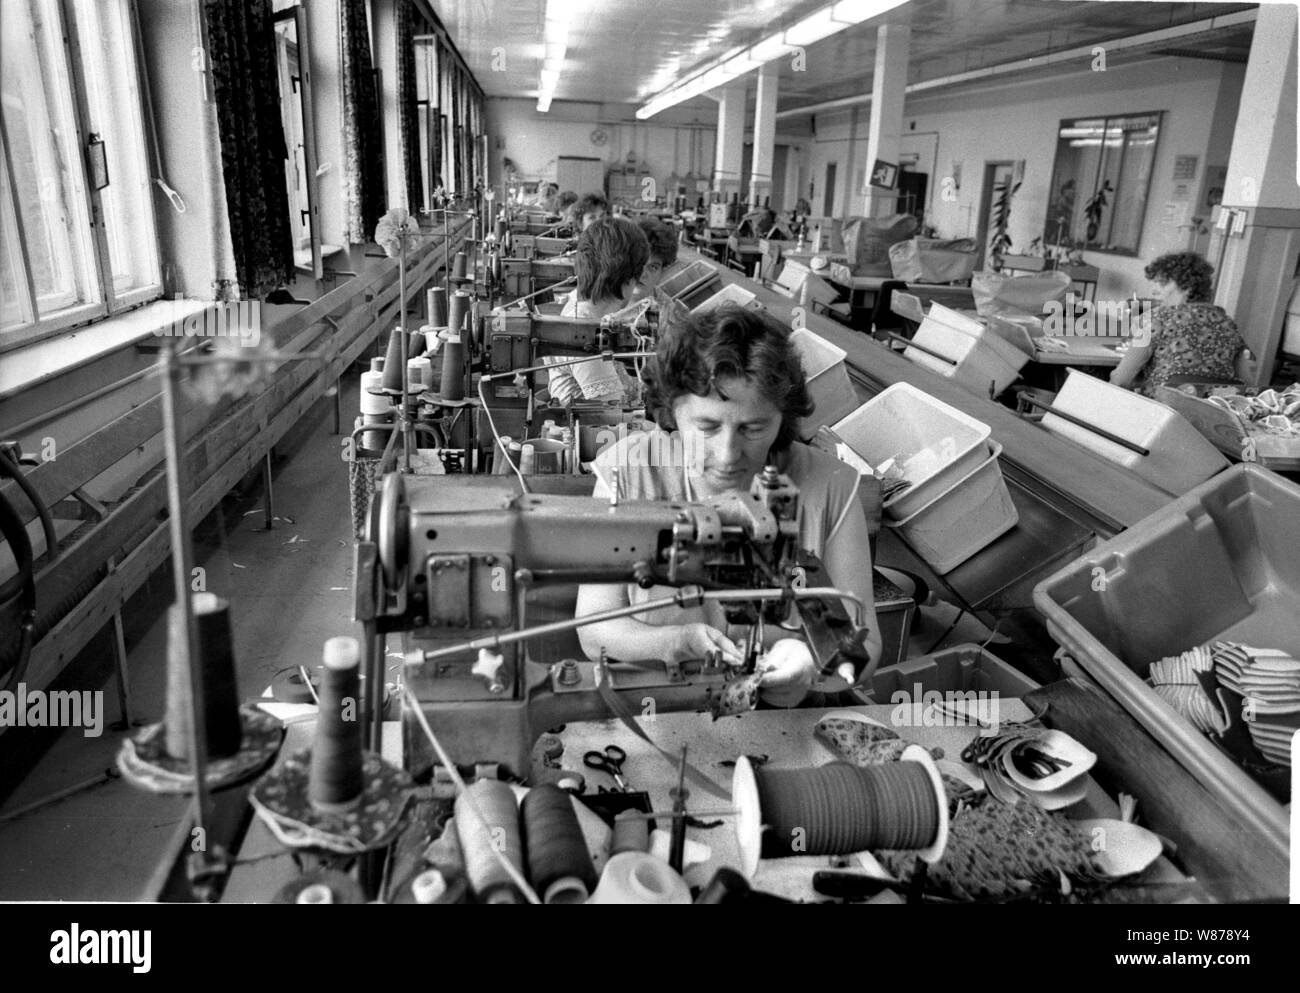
(375, 441)
(631, 833)
(458, 266)
(479, 841)
(559, 865)
(452, 386)
(640, 878)
(429, 886)
(415, 345)
(372, 403)
(419, 373)
(456, 319)
(217, 669)
(528, 460)
(501, 457)
(393, 362)
(377, 363)
(336, 760)
(436, 300)
(322, 887)
(316, 893)
(838, 809)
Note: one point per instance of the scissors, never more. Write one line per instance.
(611, 761)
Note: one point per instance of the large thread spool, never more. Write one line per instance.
(416, 344)
(336, 760)
(437, 304)
(459, 310)
(482, 839)
(559, 865)
(838, 809)
(640, 878)
(459, 265)
(419, 373)
(453, 369)
(217, 665)
(393, 362)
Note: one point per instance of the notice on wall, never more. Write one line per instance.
(1185, 166)
(1182, 191)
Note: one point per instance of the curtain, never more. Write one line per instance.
(241, 47)
(363, 173)
(408, 106)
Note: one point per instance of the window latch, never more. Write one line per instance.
(96, 161)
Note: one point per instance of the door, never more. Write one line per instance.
(828, 197)
(996, 174)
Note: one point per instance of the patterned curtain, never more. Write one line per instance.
(435, 117)
(363, 174)
(456, 176)
(241, 46)
(409, 106)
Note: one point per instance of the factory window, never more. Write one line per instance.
(1100, 182)
(75, 205)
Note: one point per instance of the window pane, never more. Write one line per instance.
(114, 99)
(15, 304)
(45, 154)
(1134, 181)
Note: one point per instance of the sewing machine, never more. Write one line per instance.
(525, 276)
(449, 563)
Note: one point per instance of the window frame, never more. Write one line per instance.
(1106, 118)
(110, 302)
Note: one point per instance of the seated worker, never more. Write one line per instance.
(732, 388)
(587, 210)
(1189, 335)
(549, 197)
(663, 254)
(609, 260)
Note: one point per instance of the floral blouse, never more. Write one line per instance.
(1190, 339)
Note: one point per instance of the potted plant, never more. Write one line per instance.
(1000, 242)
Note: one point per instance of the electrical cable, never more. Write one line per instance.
(960, 614)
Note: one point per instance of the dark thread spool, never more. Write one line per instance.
(453, 370)
(438, 307)
(217, 665)
(459, 265)
(415, 345)
(459, 308)
(336, 759)
(393, 364)
(726, 886)
(559, 865)
(838, 809)
(631, 833)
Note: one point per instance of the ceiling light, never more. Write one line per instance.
(769, 48)
(857, 11)
(813, 28)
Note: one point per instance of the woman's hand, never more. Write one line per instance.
(788, 673)
(695, 641)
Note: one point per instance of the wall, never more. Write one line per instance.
(534, 141)
(1020, 121)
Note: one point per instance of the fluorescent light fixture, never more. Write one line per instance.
(559, 14)
(550, 79)
(740, 65)
(770, 48)
(555, 52)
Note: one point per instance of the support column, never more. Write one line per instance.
(1256, 256)
(760, 179)
(886, 128)
(730, 147)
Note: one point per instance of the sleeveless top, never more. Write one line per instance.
(650, 468)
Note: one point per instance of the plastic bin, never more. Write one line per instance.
(1179, 456)
(967, 517)
(961, 668)
(971, 356)
(902, 422)
(1220, 562)
(827, 378)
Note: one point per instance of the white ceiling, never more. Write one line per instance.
(626, 51)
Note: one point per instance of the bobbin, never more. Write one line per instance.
(749, 824)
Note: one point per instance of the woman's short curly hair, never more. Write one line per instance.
(662, 238)
(1188, 271)
(697, 352)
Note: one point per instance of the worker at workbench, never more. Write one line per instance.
(663, 253)
(609, 260)
(1189, 335)
(587, 210)
(731, 388)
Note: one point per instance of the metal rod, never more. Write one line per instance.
(401, 327)
(688, 596)
(268, 503)
(1102, 432)
(376, 647)
(607, 356)
(921, 348)
(123, 677)
(106, 776)
(187, 652)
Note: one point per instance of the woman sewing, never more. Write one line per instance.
(1189, 335)
(731, 387)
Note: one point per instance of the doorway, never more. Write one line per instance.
(828, 198)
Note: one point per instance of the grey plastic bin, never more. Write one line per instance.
(1220, 562)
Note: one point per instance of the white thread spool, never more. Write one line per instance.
(528, 460)
(317, 893)
(419, 372)
(370, 403)
(428, 887)
(640, 878)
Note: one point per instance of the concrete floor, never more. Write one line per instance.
(289, 590)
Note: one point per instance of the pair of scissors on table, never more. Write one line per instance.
(610, 761)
